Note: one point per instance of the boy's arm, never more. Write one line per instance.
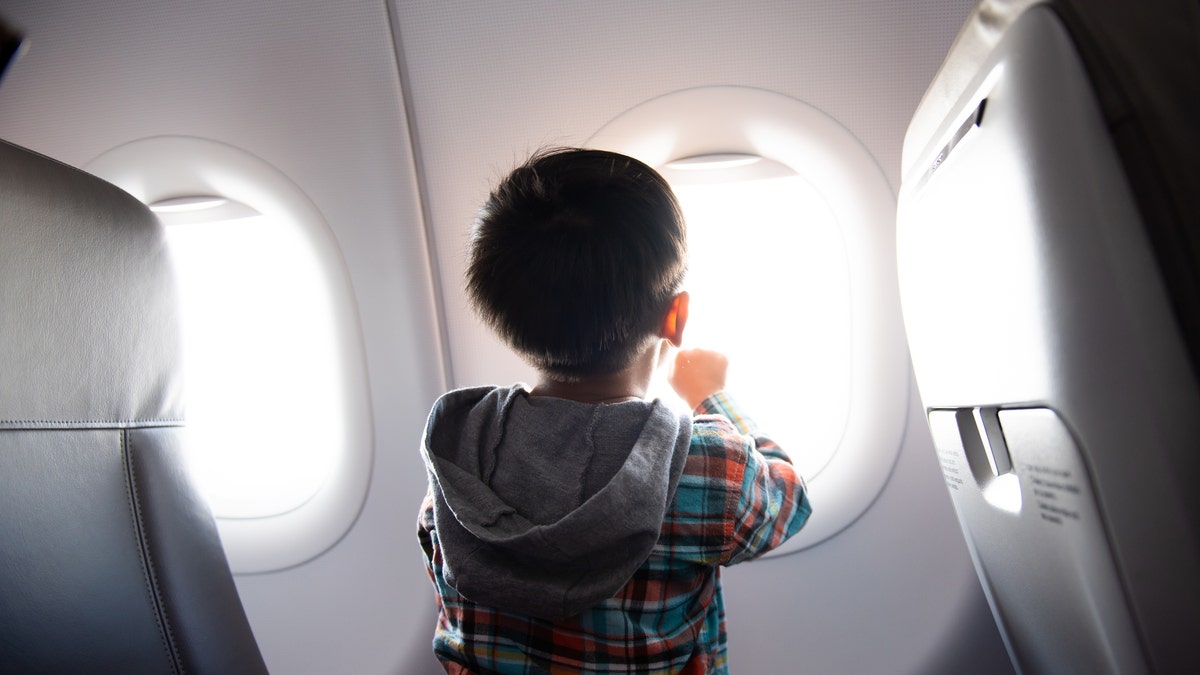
(738, 484)
(722, 404)
(768, 500)
(426, 534)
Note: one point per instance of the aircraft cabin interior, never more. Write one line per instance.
(949, 247)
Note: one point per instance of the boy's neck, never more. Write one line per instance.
(629, 384)
(586, 391)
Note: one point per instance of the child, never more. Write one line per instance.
(576, 527)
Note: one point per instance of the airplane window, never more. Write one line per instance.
(258, 345)
(280, 438)
(769, 286)
(792, 233)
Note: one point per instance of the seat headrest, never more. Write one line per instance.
(89, 332)
(974, 43)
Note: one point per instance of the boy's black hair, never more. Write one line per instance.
(575, 259)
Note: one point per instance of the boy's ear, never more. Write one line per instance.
(676, 319)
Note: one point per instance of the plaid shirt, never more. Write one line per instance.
(738, 497)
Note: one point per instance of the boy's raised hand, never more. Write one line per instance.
(696, 374)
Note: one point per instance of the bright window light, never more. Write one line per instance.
(264, 412)
(800, 280)
(770, 287)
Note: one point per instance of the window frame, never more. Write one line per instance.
(165, 167)
(745, 120)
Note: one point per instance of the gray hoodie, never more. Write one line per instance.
(545, 506)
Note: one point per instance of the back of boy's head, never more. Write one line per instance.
(575, 259)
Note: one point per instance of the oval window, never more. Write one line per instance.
(278, 415)
(797, 258)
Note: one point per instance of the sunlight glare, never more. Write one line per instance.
(264, 413)
(770, 287)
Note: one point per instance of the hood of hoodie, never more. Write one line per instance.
(546, 506)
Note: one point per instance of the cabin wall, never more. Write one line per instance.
(489, 83)
(395, 119)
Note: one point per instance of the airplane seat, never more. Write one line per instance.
(110, 560)
(1049, 268)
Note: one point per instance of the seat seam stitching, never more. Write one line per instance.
(147, 560)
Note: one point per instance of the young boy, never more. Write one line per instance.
(576, 527)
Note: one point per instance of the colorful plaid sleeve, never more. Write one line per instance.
(740, 482)
(738, 497)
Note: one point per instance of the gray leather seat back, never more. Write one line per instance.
(1048, 321)
(111, 561)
